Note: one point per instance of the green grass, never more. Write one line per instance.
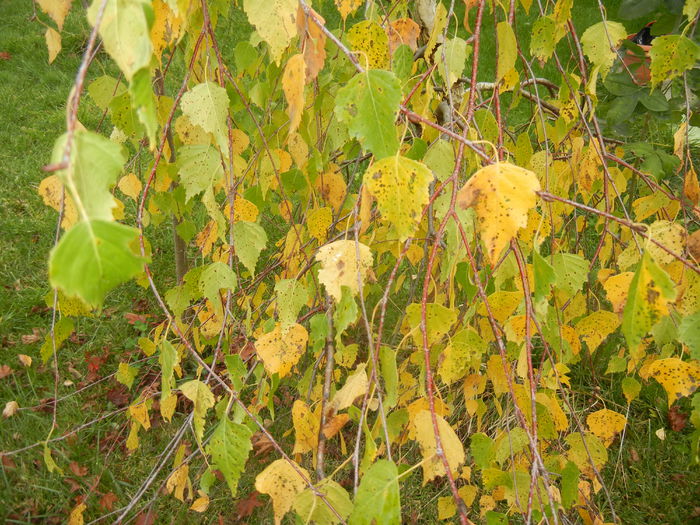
(659, 487)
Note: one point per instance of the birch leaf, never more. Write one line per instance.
(203, 399)
(340, 266)
(282, 482)
(451, 446)
(281, 349)
(400, 186)
(501, 194)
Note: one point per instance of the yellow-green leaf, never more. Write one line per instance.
(203, 399)
(451, 446)
(600, 42)
(275, 22)
(400, 186)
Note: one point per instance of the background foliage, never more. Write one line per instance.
(380, 238)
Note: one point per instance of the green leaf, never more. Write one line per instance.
(400, 186)
(203, 400)
(631, 388)
(600, 41)
(345, 313)
(440, 158)
(95, 164)
(292, 296)
(199, 167)
(650, 292)
(569, 484)
(312, 509)
(125, 33)
(545, 277)
(483, 450)
(390, 375)
(378, 499)
(206, 105)
(249, 240)
(167, 358)
(671, 56)
(571, 272)
(229, 447)
(103, 89)
(689, 333)
(368, 105)
(215, 277)
(93, 258)
(143, 101)
(507, 50)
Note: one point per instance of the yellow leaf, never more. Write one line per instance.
(282, 482)
(606, 424)
(645, 207)
(201, 503)
(370, 43)
(167, 407)
(347, 7)
(332, 187)
(280, 350)
(318, 221)
(561, 421)
(501, 194)
(594, 328)
(306, 425)
(166, 28)
(355, 386)
(274, 21)
(474, 385)
(203, 399)
(10, 409)
(56, 9)
(243, 210)
(451, 446)
(616, 289)
(190, 133)
(130, 185)
(502, 305)
(400, 186)
(679, 141)
(340, 266)
(497, 375)
(139, 412)
(298, 149)
(179, 482)
(51, 190)
(691, 187)
(313, 42)
(25, 360)
(293, 80)
(53, 43)
(679, 378)
(669, 234)
(76, 515)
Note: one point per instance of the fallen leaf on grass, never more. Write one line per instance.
(11, 408)
(32, 338)
(77, 469)
(247, 505)
(4, 55)
(108, 500)
(25, 360)
(5, 371)
(677, 419)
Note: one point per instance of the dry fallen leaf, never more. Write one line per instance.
(11, 408)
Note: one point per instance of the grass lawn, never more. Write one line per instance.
(652, 481)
